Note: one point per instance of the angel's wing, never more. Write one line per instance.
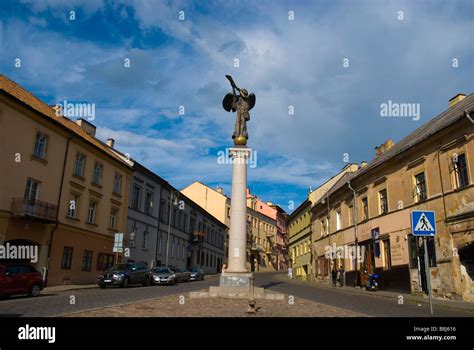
(251, 101)
(228, 102)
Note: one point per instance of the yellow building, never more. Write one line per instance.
(61, 189)
(430, 169)
(300, 230)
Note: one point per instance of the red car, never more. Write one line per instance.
(20, 279)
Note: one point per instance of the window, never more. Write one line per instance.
(113, 218)
(338, 220)
(92, 212)
(228, 212)
(145, 240)
(160, 242)
(148, 203)
(117, 183)
(460, 169)
(136, 197)
(164, 212)
(66, 262)
(97, 176)
(105, 261)
(172, 248)
(365, 208)
(323, 226)
(40, 145)
(72, 206)
(87, 260)
(350, 220)
(31, 190)
(420, 187)
(387, 263)
(383, 201)
(183, 253)
(80, 164)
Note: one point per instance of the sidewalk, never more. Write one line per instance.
(421, 299)
(68, 287)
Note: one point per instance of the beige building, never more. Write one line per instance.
(430, 169)
(61, 189)
(300, 228)
(259, 226)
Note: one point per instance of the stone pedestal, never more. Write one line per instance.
(232, 279)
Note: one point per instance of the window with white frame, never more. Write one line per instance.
(40, 145)
(91, 214)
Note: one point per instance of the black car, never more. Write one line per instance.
(125, 274)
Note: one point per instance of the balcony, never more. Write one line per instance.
(35, 209)
(198, 237)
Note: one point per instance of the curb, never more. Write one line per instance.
(393, 295)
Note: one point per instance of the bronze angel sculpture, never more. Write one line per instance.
(242, 103)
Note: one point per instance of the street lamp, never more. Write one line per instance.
(132, 235)
(173, 200)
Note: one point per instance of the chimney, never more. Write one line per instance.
(110, 143)
(456, 99)
(384, 147)
(86, 126)
(363, 164)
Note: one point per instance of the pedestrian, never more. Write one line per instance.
(341, 276)
(334, 275)
(224, 267)
(290, 273)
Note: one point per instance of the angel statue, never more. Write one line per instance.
(242, 103)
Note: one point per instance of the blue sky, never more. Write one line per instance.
(284, 62)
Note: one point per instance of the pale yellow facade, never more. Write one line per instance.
(37, 185)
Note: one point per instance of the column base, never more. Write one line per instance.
(235, 279)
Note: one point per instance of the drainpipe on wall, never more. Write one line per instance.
(158, 225)
(57, 212)
(354, 209)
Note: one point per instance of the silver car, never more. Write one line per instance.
(162, 275)
(197, 274)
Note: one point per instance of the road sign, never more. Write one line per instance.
(423, 223)
(118, 243)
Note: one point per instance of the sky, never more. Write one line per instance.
(320, 71)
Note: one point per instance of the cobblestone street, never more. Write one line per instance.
(182, 305)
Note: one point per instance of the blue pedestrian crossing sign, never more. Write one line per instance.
(423, 223)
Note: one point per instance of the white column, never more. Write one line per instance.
(238, 211)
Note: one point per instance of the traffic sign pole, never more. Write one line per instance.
(428, 277)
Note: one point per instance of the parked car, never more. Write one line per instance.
(20, 279)
(123, 275)
(162, 275)
(197, 274)
(182, 274)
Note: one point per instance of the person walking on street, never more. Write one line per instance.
(290, 273)
(334, 275)
(341, 276)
